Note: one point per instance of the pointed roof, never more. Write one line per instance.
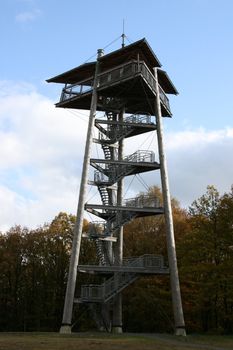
(115, 58)
(76, 74)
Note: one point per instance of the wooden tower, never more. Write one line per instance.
(129, 87)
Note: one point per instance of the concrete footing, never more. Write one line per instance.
(180, 332)
(65, 329)
(117, 329)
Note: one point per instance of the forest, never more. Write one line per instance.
(34, 266)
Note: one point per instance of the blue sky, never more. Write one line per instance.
(42, 38)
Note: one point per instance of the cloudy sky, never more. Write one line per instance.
(41, 146)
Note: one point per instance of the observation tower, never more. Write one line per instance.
(130, 89)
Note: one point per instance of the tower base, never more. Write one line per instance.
(117, 329)
(65, 329)
(180, 331)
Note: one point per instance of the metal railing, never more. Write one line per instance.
(143, 201)
(100, 177)
(109, 77)
(140, 119)
(77, 89)
(97, 228)
(112, 172)
(101, 229)
(146, 260)
(103, 292)
(141, 156)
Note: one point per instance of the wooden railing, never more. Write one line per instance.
(120, 73)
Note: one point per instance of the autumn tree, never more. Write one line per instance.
(147, 303)
(206, 259)
(34, 268)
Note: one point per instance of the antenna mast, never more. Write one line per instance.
(123, 35)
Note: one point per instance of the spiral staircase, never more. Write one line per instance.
(108, 171)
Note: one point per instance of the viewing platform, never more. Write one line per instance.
(130, 76)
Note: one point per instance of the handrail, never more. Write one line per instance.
(139, 119)
(148, 201)
(141, 156)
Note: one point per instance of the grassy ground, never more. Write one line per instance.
(97, 341)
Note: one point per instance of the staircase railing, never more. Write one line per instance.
(113, 172)
(99, 229)
(120, 280)
(141, 156)
(143, 201)
(140, 119)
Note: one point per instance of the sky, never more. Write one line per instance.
(42, 146)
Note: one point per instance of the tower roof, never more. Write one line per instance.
(166, 83)
(79, 73)
(117, 57)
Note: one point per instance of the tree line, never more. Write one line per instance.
(34, 267)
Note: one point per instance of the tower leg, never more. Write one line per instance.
(117, 304)
(117, 301)
(174, 277)
(117, 314)
(71, 283)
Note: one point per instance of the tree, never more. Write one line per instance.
(147, 303)
(34, 268)
(206, 260)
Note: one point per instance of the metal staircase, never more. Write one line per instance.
(100, 252)
(108, 172)
(102, 293)
(117, 216)
(107, 151)
(106, 291)
(104, 194)
(131, 125)
(139, 162)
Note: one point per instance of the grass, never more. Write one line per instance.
(99, 341)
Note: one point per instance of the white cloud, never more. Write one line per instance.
(197, 159)
(41, 152)
(28, 16)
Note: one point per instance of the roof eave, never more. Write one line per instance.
(173, 89)
(58, 78)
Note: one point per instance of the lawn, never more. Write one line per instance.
(99, 341)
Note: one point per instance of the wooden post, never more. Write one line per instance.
(171, 249)
(71, 283)
(117, 303)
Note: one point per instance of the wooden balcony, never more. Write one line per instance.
(132, 81)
